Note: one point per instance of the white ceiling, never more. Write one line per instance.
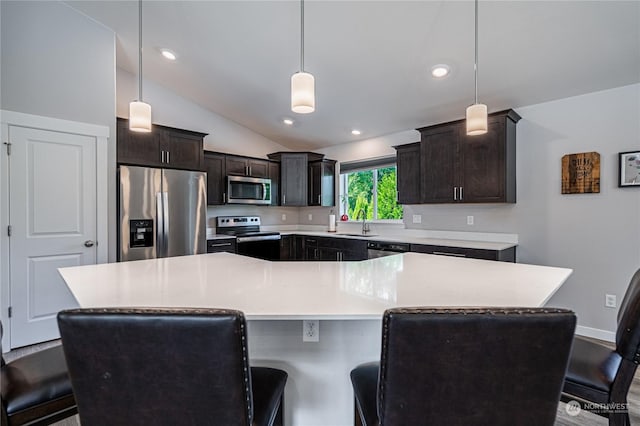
(372, 59)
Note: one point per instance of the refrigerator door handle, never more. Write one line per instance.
(165, 220)
(159, 226)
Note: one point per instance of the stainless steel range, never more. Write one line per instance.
(250, 240)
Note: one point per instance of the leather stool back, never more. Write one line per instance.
(159, 366)
(467, 366)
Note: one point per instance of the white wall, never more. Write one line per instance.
(595, 234)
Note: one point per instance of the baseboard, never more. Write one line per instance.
(596, 333)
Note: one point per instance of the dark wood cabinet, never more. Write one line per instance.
(291, 247)
(304, 179)
(408, 173)
(322, 183)
(506, 255)
(334, 249)
(274, 175)
(221, 245)
(247, 166)
(164, 147)
(214, 165)
(456, 168)
(293, 179)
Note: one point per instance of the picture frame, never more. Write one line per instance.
(629, 169)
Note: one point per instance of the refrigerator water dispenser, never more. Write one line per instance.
(141, 233)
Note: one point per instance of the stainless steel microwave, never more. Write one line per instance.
(248, 190)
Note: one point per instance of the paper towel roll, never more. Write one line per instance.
(332, 223)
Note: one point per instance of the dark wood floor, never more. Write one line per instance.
(563, 419)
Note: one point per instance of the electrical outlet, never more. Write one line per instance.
(284, 217)
(469, 220)
(310, 216)
(310, 331)
(417, 218)
(610, 301)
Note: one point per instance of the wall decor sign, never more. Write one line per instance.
(629, 164)
(581, 173)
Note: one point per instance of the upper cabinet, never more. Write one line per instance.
(214, 165)
(247, 166)
(456, 168)
(408, 173)
(296, 178)
(322, 183)
(163, 147)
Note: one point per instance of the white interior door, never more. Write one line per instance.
(52, 213)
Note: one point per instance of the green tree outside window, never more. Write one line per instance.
(374, 192)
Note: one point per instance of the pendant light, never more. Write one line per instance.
(303, 97)
(476, 113)
(139, 111)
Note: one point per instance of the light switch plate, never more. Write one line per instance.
(469, 220)
(417, 218)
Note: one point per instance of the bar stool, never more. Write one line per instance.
(36, 389)
(466, 366)
(169, 367)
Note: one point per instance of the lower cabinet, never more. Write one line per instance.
(506, 255)
(334, 249)
(221, 245)
(291, 247)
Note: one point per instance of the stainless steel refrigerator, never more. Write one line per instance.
(163, 213)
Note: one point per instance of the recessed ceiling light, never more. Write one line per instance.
(287, 121)
(168, 54)
(440, 70)
(356, 132)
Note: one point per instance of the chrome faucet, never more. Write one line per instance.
(365, 225)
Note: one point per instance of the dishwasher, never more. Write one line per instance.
(377, 249)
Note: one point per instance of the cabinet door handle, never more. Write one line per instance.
(220, 245)
(249, 170)
(460, 193)
(224, 197)
(320, 199)
(162, 157)
(168, 160)
(284, 199)
(455, 193)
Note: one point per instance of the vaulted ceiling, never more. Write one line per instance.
(372, 59)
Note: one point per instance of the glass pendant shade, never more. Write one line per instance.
(139, 117)
(303, 93)
(476, 119)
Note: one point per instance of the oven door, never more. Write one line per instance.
(248, 190)
(262, 247)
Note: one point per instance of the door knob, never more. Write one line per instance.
(88, 243)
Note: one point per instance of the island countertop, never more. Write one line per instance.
(266, 290)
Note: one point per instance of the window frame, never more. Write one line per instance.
(372, 165)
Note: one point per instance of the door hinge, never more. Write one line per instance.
(8, 144)
(10, 311)
(9, 229)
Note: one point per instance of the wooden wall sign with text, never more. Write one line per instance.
(581, 173)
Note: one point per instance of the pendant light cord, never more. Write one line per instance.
(301, 35)
(475, 66)
(140, 50)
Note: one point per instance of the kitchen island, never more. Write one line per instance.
(347, 297)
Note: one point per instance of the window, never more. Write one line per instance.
(369, 187)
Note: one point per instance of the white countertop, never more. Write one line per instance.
(313, 290)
